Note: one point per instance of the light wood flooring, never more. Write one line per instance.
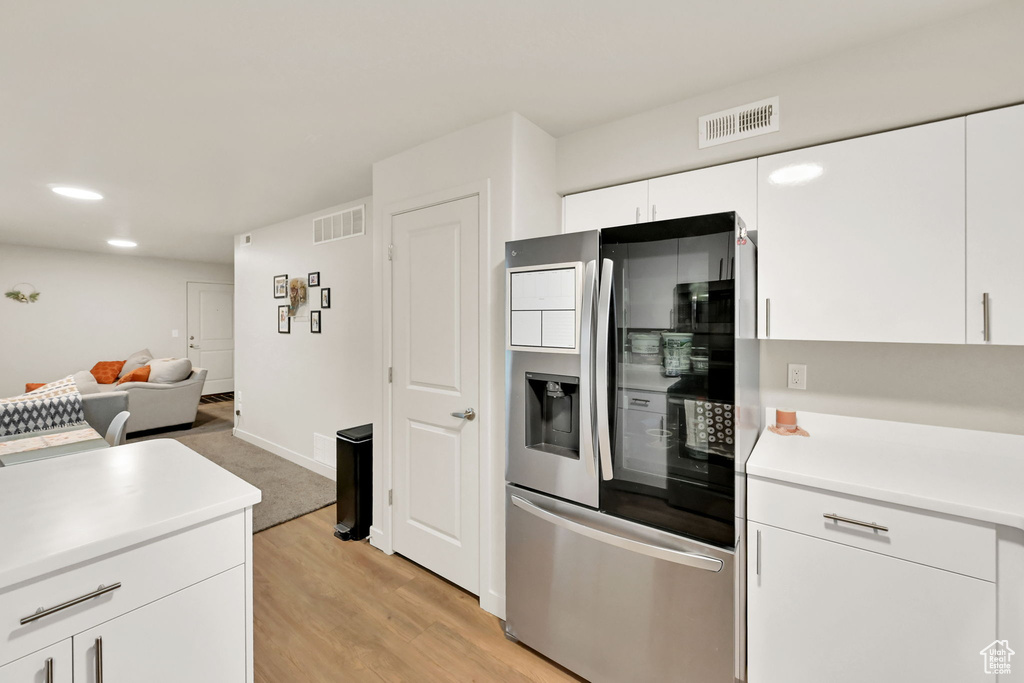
(328, 610)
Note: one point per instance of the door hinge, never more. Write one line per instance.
(391, 497)
(390, 374)
(391, 252)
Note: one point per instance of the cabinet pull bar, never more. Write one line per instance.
(847, 520)
(984, 317)
(768, 318)
(637, 215)
(654, 212)
(49, 670)
(99, 660)
(102, 590)
(759, 552)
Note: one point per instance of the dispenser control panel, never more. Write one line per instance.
(543, 307)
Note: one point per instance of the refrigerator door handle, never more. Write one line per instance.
(696, 560)
(604, 314)
(587, 368)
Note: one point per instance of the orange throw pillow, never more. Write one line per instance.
(106, 371)
(32, 387)
(137, 375)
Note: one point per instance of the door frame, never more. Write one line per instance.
(381, 533)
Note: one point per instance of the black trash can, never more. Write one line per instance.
(355, 483)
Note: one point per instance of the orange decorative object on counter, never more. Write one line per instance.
(785, 424)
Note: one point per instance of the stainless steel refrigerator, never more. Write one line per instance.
(632, 405)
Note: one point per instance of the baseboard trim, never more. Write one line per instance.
(287, 454)
(493, 603)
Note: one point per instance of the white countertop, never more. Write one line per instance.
(61, 511)
(978, 475)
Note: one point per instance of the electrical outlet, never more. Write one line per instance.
(797, 376)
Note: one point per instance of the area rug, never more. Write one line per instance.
(289, 490)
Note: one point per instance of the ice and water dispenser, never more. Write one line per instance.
(553, 414)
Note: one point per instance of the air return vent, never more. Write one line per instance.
(347, 223)
(323, 450)
(247, 239)
(739, 123)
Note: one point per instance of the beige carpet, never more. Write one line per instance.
(289, 490)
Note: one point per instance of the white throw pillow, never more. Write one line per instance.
(86, 383)
(136, 361)
(169, 370)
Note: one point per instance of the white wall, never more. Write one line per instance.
(966, 64)
(290, 386)
(947, 69)
(91, 307)
(515, 160)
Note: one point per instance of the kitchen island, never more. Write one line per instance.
(126, 564)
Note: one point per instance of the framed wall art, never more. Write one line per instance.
(284, 321)
(314, 322)
(280, 286)
(325, 297)
(314, 279)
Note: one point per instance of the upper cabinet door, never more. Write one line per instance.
(730, 187)
(863, 240)
(606, 208)
(995, 241)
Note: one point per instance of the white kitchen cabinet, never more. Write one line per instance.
(995, 240)
(823, 611)
(863, 240)
(49, 665)
(606, 208)
(729, 187)
(194, 635)
(650, 278)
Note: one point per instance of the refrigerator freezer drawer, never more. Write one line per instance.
(617, 601)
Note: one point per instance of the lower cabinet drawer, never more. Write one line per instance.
(949, 543)
(146, 573)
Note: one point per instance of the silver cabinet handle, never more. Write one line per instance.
(49, 670)
(604, 314)
(711, 564)
(639, 401)
(984, 317)
(102, 590)
(587, 369)
(654, 212)
(99, 660)
(870, 525)
(467, 414)
(759, 552)
(768, 318)
(637, 215)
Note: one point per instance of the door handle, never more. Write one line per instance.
(587, 369)
(468, 414)
(192, 346)
(604, 313)
(697, 560)
(99, 660)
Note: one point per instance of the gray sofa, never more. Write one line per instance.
(155, 405)
(101, 408)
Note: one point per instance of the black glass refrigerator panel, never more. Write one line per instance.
(674, 356)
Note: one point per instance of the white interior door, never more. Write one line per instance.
(211, 334)
(435, 358)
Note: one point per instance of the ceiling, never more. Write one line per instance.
(200, 119)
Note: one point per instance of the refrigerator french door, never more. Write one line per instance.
(632, 399)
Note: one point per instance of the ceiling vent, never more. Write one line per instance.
(341, 225)
(738, 123)
(247, 239)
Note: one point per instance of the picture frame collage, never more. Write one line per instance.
(296, 292)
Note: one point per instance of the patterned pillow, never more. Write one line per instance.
(32, 386)
(136, 375)
(57, 404)
(106, 371)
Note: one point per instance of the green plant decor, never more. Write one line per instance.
(21, 297)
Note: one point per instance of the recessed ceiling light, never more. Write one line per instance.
(122, 243)
(795, 174)
(77, 193)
